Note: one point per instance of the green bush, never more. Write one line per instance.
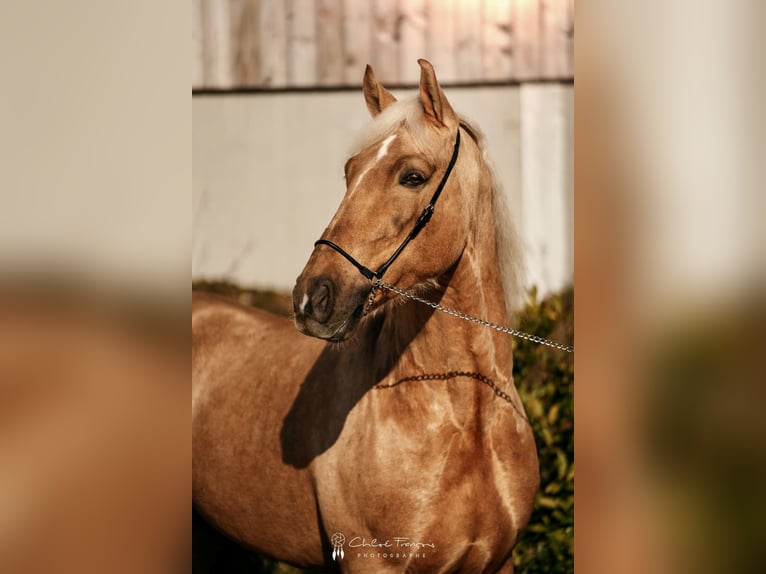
(545, 380)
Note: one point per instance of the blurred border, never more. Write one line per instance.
(95, 238)
(669, 153)
(669, 144)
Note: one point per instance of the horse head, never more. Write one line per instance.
(409, 150)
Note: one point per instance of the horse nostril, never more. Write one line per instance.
(321, 301)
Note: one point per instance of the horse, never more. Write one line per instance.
(379, 435)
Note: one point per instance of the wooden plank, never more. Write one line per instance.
(527, 33)
(497, 40)
(440, 39)
(357, 39)
(330, 42)
(273, 43)
(468, 40)
(217, 58)
(246, 49)
(278, 43)
(412, 20)
(198, 45)
(385, 42)
(556, 41)
(302, 64)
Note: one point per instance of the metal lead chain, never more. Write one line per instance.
(452, 375)
(376, 283)
(467, 317)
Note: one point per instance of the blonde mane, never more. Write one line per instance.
(510, 259)
(510, 254)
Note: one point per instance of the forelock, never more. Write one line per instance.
(408, 112)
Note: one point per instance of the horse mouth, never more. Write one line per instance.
(333, 333)
(346, 327)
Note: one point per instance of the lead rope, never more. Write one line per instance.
(378, 283)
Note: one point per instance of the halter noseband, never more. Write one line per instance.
(376, 276)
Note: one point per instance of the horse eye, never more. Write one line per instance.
(412, 179)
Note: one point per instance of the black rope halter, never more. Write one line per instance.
(425, 217)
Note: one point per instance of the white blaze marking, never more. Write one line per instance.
(384, 146)
(305, 300)
(382, 151)
(359, 180)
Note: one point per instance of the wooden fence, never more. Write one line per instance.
(278, 44)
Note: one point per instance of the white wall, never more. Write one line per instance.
(268, 167)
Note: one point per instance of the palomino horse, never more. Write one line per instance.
(405, 447)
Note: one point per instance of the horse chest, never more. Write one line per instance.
(427, 477)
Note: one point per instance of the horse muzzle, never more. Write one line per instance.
(320, 312)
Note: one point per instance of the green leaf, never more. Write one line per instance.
(553, 413)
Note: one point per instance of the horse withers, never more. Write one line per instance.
(380, 435)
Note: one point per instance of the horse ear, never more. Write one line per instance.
(376, 96)
(434, 101)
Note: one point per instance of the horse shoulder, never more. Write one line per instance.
(515, 468)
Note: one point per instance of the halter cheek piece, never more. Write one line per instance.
(376, 276)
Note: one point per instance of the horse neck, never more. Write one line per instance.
(445, 343)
